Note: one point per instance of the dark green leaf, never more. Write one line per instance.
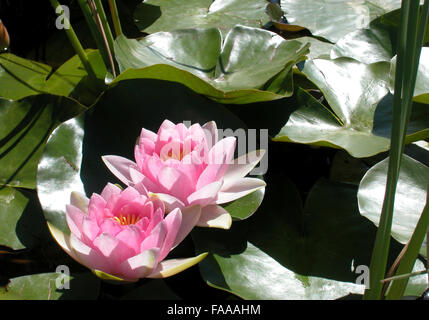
(21, 219)
(42, 286)
(26, 125)
(21, 77)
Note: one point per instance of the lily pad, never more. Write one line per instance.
(26, 125)
(21, 219)
(21, 77)
(365, 45)
(359, 117)
(72, 157)
(167, 15)
(334, 19)
(421, 90)
(43, 286)
(410, 197)
(298, 252)
(222, 71)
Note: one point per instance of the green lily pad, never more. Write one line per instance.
(26, 125)
(365, 45)
(334, 19)
(72, 156)
(287, 251)
(21, 219)
(318, 49)
(359, 117)
(410, 197)
(421, 90)
(222, 71)
(21, 77)
(43, 286)
(244, 207)
(167, 15)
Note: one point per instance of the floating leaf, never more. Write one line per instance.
(167, 15)
(21, 219)
(26, 125)
(365, 45)
(43, 286)
(359, 117)
(410, 197)
(298, 253)
(21, 77)
(224, 72)
(334, 19)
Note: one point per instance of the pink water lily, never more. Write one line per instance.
(126, 233)
(189, 166)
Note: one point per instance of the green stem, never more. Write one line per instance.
(115, 17)
(76, 43)
(105, 31)
(105, 24)
(95, 31)
(397, 289)
(404, 88)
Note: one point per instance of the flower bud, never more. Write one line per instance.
(4, 38)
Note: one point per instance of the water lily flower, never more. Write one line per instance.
(189, 166)
(125, 234)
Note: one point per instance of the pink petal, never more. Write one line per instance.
(166, 125)
(215, 216)
(88, 256)
(170, 202)
(126, 196)
(172, 222)
(80, 201)
(119, 166)
(206, 195)
(219, 158)
(175, 183)
(140, 187)
(96, 207)
(139, 266)
(132, 236)
(190, 217)
(241, 166)
(137, 177)
(113, 249)
(111, 227)
(210, 130)
(147, 134)
(90, 229)
(168, 268)
(110, 190)
(74, 219)
(156, 237)
(239, 188)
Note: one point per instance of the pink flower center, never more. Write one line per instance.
(127, 219)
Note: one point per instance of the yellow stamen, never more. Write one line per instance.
(128, 219)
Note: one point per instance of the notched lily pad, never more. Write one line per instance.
(224, 71)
